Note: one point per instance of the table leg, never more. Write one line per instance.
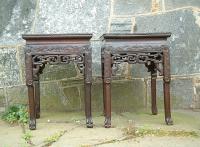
(166, 86)
(87, 84)
(107, 88)
(37, 97)
(153, 92)
(102, 70)
(32, 114)
(29, 83)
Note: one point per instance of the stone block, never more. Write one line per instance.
(58, 72)
(184, 42)
(127, 95)
(16, 19)
(96, 58)
(181, 94)
(20, 55)
(121, 25)
(2, 100)
(173, 4)
(139, 71)
(6, 7)
(9, 68)
(85, 16)
(53, 96)
(131, 7)
(17, 95)
(196, 96)
(73, 98)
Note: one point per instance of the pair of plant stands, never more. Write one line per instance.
(148, 49)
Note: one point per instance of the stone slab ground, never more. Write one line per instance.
(61, 129)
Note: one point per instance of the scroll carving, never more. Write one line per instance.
(39, 62)
(147, 58)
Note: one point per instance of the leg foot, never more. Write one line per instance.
(154, 111)
(107, 123)
(89, 122)
(32, 124)
(169, 121)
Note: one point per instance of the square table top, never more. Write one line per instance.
(32, 39)
(121, 36)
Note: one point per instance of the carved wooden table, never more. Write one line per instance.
(148, 49)
(56, 49)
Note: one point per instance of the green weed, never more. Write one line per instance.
(53, 138)
(27, 137)
(16, 114)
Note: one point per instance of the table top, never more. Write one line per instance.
(35, 39)
(57, 36)
(134, 35)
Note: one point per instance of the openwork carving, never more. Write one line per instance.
(147, 58)
(39, 62)
(137, 58)
(57, 59)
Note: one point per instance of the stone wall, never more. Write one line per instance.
(61, 86)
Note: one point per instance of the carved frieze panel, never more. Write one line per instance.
(39, 61)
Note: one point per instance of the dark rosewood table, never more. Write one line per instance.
(56, 49)
(148, 49)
